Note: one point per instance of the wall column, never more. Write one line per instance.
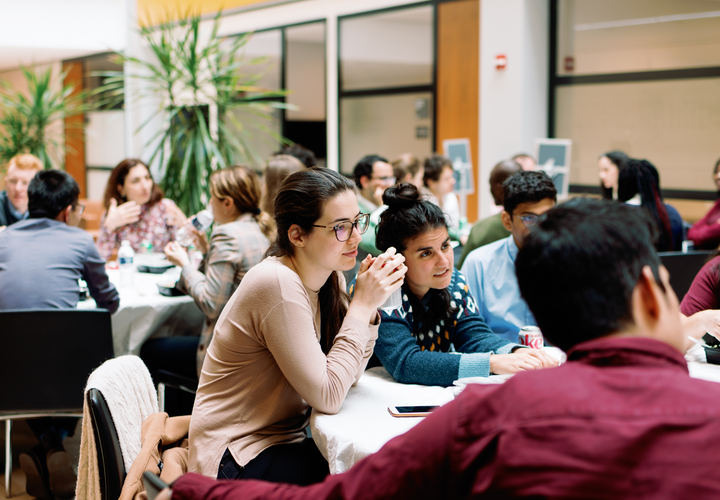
(458, 56)
(513, 101)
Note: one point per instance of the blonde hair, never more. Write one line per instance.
(242, 186)
(25, 162)
(279, 167)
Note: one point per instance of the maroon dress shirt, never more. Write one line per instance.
(621, 419)
(705, 233)
(702, 294)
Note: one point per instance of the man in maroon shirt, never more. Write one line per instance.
(621, 419)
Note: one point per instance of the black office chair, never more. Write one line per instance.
(110, 457)
(683, 267)
(49, 354)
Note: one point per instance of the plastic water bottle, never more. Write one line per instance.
(202, 222)
(126, 263)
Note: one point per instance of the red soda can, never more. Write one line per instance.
(531, 336)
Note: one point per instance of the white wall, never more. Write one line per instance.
(42, 31)
(513, 101)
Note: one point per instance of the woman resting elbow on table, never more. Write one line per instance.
(136, 211)
(438, 312)
(698, 309)
(289, 339)
(241, 235)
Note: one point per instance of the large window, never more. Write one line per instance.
(305, 78)
(293, 59)
(386, 84)
(642, 76)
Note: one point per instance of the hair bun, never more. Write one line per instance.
(404, 195)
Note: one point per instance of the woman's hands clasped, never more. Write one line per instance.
(377, 279)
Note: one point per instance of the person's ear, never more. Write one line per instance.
(121, 190)
(364, 181)
(64, 215)
(647, 301)
(296, 236)
(506, 220)
(227, 203)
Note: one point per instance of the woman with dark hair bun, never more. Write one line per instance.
(290, 339)
(609, 166)
(639, 184)
(438, 314)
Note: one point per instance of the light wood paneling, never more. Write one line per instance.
(74, 130)
(458, 52)
(152, 12)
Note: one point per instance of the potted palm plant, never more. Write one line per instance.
(199, 81)
(29, 121)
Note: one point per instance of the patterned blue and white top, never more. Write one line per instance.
(438, 354)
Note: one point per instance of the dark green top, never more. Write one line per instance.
(484, 232)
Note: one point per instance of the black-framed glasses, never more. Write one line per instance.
(80, 208)
(343, 230)
(529, 220)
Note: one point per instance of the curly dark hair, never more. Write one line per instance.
(408, 216)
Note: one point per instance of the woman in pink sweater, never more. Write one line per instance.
(290, 340)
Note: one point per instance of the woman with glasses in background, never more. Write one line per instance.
(290, 339)
(437, 313)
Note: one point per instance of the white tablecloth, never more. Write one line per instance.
(144, 313)
(363, 424)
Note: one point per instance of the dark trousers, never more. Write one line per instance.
(51, 431)
(295, 463)
(175, 355)
(172, 354)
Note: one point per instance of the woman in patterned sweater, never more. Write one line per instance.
(437, 335)
(135, 210)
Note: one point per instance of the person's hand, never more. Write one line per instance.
(176, 254)
(174, 216)
(118, 216)
(199, 240)
(165, 494)
(520, 361)
(697, 324)
(377, 279)
(378, 195)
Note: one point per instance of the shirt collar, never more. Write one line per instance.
(512, 248)
(622, 351)
(17, 213)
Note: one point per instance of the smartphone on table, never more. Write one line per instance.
(411, 411)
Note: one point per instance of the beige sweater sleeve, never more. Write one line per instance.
(322, 381)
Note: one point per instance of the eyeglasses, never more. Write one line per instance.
(80, 208)
(343, 231)
(529, 220)
(388, 179)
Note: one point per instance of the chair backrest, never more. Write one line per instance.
(683, 268)
(110, 458)
(49, 354)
